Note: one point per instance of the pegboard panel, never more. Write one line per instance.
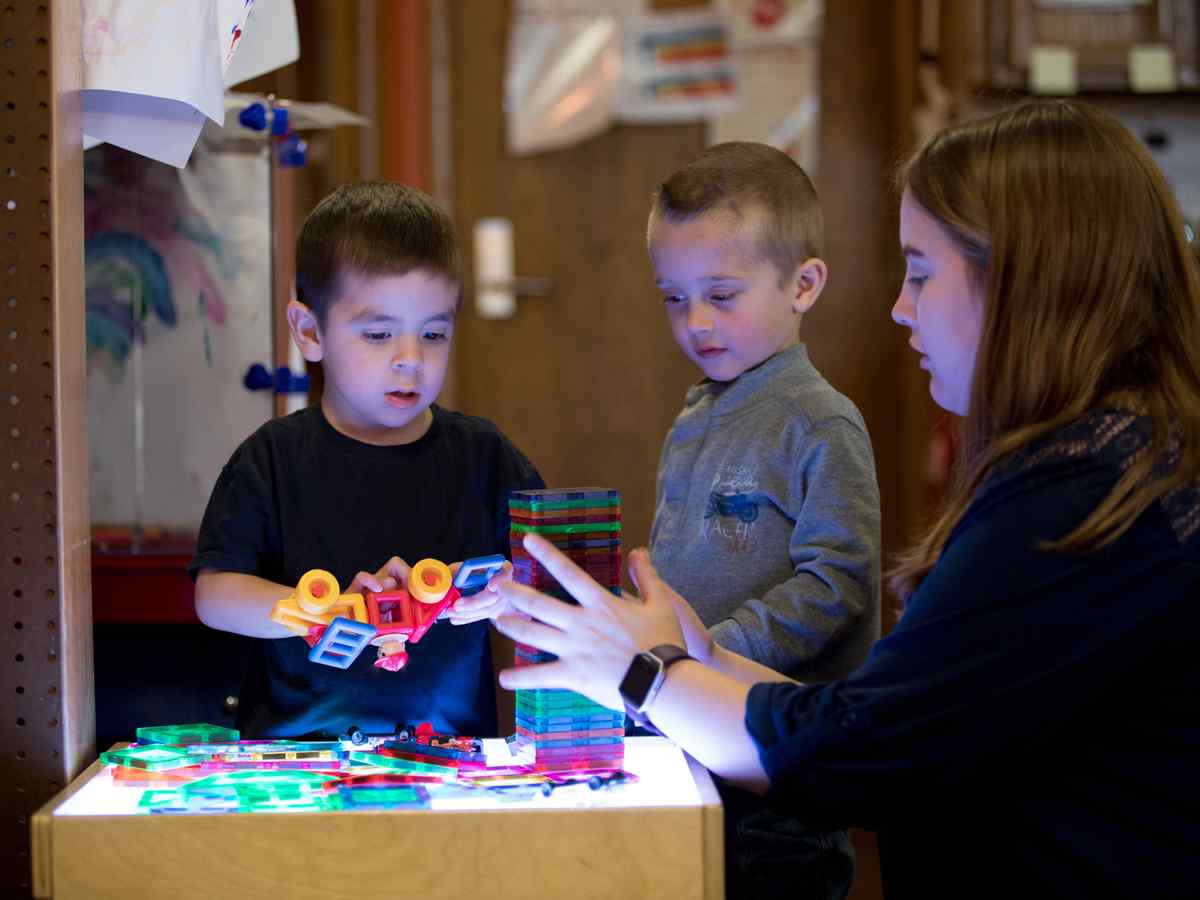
(46, 707)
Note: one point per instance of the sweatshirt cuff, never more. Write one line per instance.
(729, 634)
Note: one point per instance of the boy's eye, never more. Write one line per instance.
(435, 336)
(917, 280)
(721, 297)
(377, 335)
(673, 298)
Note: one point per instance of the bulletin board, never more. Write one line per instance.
(179, 305)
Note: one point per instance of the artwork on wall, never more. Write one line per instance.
(777, 44)
(178, 284)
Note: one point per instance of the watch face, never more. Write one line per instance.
(639, 678)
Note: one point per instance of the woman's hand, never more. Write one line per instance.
(594, 641)
(699, 641)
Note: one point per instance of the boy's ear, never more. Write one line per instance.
(807, 284)
(306, 331)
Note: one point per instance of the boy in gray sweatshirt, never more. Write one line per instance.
(767, 513)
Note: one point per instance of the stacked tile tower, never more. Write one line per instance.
(559, 729)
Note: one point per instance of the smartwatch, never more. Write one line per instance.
(645, 676)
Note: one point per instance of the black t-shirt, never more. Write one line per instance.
(299, 495)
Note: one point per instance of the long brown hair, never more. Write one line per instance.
(1091, 298)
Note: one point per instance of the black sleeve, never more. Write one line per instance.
(240, 529)
(516, 473)
(1002, 644)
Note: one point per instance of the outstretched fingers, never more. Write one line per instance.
(536, 634)
(577, 582)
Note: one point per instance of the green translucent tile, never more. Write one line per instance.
(401, 765)
(399, 797)
(276, 781)
(198, 733)
(155, 800)
(594, 503)
(153, 759)
(580, 528)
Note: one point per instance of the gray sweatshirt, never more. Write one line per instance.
(767, 518)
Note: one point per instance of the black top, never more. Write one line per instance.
(299, 495)
(1031, 727)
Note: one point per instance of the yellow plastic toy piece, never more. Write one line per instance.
(317, 601)
(317, 590)
(430, 581)
(287, 612)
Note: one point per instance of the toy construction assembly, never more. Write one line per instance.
(338, 627)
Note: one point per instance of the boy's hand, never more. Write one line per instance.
(392, 575)
(487, 604)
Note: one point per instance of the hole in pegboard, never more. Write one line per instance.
(49, 560)
(20, 657)
(53, 723)
(51, 657)
(14, 400)
(51, 625)
(15, 496)
(20, 689)
(16, 465)
(11, 205)
(21, 754)
(21, 721)
(18, 625)
(14, 432)
(17, 560)
(18, 593)
(52, 690)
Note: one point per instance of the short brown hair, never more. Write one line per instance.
(739, 176)
(372, 228)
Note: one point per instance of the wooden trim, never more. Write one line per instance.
(403, 110)
(70, 391)
(42, 829)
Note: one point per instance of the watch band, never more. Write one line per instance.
(666, 655)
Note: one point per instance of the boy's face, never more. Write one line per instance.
(385, 347)
(723, 297)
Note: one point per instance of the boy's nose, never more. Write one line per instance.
(407, 357)
(698, 321)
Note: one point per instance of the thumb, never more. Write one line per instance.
(642, 571)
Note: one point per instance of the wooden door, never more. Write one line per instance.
(587, 380)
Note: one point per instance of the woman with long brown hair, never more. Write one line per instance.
(1031, 726)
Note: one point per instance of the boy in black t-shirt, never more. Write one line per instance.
(375, 477)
